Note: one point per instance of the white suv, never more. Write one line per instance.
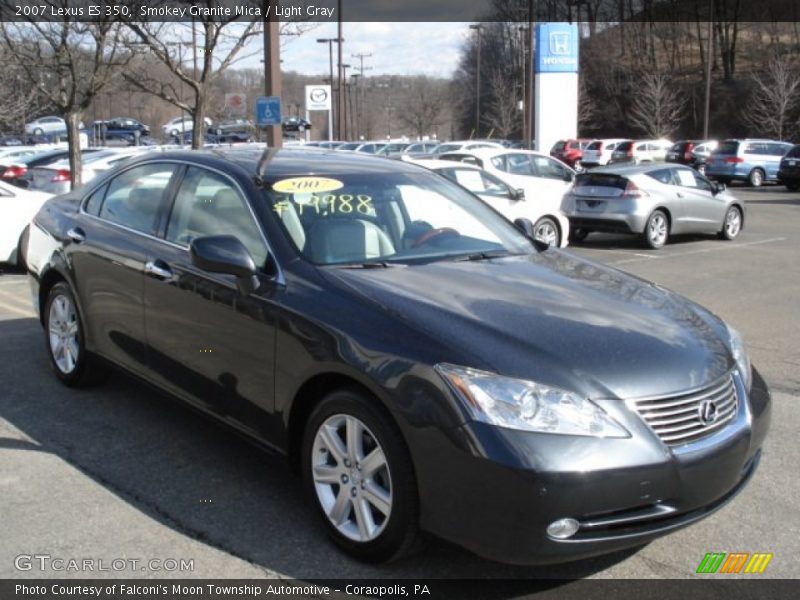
(640, 151)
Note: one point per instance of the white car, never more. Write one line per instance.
(55, 177)
(550, 225)
(598, 153)
(463, 146)
(44, 125)
(179, 125)
(640, 151)
(18, 207)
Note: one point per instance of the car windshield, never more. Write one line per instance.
(388, 218)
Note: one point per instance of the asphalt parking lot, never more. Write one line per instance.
(120, 471)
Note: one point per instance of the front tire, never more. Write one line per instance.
(38, 131)
(65, 339)
(732, 224)
(793, 187)
(358, 472)
(545, 230)
(656, 231)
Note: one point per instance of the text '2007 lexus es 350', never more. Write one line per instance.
(421, 361)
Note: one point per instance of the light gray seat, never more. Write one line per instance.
(333, 240)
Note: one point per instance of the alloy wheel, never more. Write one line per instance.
(733, 223)
(545, 231)
(657, 230)
(351, 478)
(63, 334)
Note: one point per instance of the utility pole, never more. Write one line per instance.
(340, 116)
(272, 72)
(359, 95)
(343, 86)
(529, 75)
(477, 29)
(709, 54)
(330, 42)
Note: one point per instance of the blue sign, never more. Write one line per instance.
(556, 48)
(268, 111)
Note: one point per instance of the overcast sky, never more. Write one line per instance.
(397, 48)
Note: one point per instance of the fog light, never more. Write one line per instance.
(563, 528)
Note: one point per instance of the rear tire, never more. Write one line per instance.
(756, 177)
(38, 131)
(656, 231)
(578, 235)
(65, 340)
(793, 187)
(358, 472)
(22, 247)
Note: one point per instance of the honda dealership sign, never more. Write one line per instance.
(557, 48)
(556, 97)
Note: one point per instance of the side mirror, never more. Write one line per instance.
(516, 194)
(718, 187)
(525, 226)
(569, 176)
(225, 254)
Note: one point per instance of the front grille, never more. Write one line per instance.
(678, 420)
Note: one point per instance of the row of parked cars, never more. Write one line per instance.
(752, 161)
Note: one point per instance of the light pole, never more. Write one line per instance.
(477, 28)
(709, 54)
(331, 42)
(343, 98)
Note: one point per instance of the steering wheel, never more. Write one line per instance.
(434, 233)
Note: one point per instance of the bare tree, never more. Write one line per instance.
(657, 106)
(587, 107)
(775, 96)
(70, 63)
(19, 98)
(502, 112)
(423, 105)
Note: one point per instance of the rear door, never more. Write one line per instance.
(206, 341)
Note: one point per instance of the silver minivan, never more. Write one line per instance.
(654, 201)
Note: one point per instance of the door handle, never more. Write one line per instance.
(76, 234)
(680, 194)
(158, 269)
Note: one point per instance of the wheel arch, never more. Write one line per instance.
(666, 212)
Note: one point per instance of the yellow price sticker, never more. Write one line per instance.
(307, 184)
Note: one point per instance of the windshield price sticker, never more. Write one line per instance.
(314, 185)
(331, 204)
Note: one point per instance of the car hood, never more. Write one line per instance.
(553, 318)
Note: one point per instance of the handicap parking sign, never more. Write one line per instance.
(268, 111)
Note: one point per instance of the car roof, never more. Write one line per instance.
(635, 169)
(288, 162)
(435, 164)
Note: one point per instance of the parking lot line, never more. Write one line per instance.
(701, 250)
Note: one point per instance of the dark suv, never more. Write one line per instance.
(692, 153)
(789, 169)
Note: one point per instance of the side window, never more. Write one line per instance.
(662, 175)
(519, 164)
(92, 205)
(549, 168)
(134, 197)
(209, 204)
(499, 163)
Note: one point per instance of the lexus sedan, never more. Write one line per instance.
(422, 362)
(653, 201)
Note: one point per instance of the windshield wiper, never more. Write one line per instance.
(482, 255)
(374, 264)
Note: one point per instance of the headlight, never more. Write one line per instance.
(526, 405)
(740, 355)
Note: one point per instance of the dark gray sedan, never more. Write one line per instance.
(654, 201)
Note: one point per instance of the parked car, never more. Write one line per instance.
(18, 207)
(550, 225)
(598, 152)
(654, 201)
(179, 125)
(332, 145)
(349, 146)
(463, 146)
(292, 124)
(789, 169)
(54, 178)
(692, 153)
(749, 160)
(401, 366)
(47, 125)
(570, 152)
(419, 149)
(370, 147)
(16, 170)
(543, 178)
(640, 151)
(126, 124)
(393, 149)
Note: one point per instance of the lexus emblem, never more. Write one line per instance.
(707, 412)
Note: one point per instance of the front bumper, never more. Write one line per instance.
(495, 490)
(789, 174)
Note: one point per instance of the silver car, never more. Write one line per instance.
(654, 201)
